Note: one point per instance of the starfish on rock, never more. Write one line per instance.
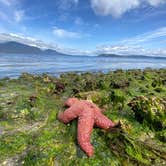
(88, 115)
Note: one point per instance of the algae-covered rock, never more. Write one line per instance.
(150, 109)
(117, 84)
(115, 97)
(99, 98)
(131, 150)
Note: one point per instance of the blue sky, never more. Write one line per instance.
(87, 26)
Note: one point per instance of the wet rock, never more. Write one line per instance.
(9, 102)
(75, 91)
(59, 87)
(32, 100)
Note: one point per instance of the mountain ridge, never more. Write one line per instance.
(128, 56)
(13, 47)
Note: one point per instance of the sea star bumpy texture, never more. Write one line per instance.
(88, 115)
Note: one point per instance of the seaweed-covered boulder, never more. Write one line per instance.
(150, 109)
(114, 97)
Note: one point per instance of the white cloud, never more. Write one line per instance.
(114, 7)
(10, 11)
(19, 15)
(119, 49)
(5, 37)
(130, 50)
(118, 7)
(131, 46)
(62, 33)
(156, 2)
(79, 21)
(136, 45)
(67, 4)
(146, 37)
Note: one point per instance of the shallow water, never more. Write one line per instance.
(13, 65)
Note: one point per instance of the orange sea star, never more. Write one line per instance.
(88, 115)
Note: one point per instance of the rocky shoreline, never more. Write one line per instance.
(30, 133)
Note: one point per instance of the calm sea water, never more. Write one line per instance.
(13, 65)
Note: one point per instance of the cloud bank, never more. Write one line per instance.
(146, 37)
(130, 46)
(5, 37)
(62, 33)
(118, 7)
(136, 45)
(130, 50)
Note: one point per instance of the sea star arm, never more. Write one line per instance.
(102, 121)
(68, 115)
(85, 127)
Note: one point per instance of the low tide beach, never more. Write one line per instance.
(30, 133)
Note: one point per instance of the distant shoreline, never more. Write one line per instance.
(56, 75)
(130, 56)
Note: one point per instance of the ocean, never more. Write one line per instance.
(12, 65)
